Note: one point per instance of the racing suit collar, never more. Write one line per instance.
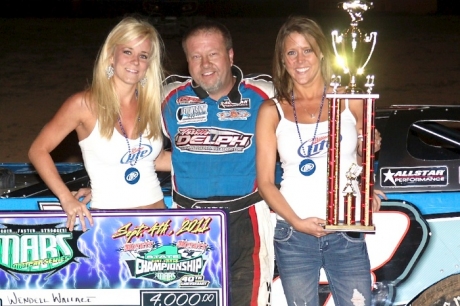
(234, 95)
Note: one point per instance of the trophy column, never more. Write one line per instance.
(353, 50)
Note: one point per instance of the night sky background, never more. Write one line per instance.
(210, 8)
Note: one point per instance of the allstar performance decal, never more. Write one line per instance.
(414, 176)
(211, 140)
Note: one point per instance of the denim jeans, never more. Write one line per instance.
(345, 260)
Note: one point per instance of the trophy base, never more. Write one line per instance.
(350, 228)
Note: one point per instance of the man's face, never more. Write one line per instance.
(209, 63)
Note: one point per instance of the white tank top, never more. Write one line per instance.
(106, 161)
(307, 194)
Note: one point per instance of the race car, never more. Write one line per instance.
(415, 250)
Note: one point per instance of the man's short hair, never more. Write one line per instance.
(208, 26)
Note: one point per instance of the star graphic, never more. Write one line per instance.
(389, 177)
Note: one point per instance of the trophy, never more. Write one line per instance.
(353, 50)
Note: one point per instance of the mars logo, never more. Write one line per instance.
(37, 249)
(414, 177)
(169, 263)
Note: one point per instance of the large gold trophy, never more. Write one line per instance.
(353, 50)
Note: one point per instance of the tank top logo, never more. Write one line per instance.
(307, 167)
(136, 154)
(132, 176)
(316, 148)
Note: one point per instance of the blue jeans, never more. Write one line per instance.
(345, 260)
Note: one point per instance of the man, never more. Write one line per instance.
(210, 119)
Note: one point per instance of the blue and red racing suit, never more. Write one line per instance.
(213, 160)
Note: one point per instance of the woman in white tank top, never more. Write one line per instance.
(294, 125)
(117, 121)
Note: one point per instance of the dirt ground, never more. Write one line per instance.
(45, 60)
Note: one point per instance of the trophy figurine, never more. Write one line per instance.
(353, 50)
(350, 192)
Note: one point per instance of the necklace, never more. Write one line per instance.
(307, 166)
(312, 116)
(132, 175)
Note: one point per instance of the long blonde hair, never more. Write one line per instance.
(102, 90)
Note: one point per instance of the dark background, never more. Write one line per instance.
(210, 8)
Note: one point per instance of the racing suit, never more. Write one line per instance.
(213, 165)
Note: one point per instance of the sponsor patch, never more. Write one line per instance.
(234, 114)
(414, 176)
(227, 104)
(211, 140)
(188, 100)
(192, 114)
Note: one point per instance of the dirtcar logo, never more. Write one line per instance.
(188, 100)
(192, 114)
(227, 104)
(211, 140)
(414, 177)
(37, 249)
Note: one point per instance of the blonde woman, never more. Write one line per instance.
(117, 121)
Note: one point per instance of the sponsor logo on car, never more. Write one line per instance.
(414, 176)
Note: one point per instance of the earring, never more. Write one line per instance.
(143, 81)
(109, 71)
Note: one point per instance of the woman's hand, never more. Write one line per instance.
(84, 193)
(312, 226)
(75, 209)
(377, 199)
(377, 141)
